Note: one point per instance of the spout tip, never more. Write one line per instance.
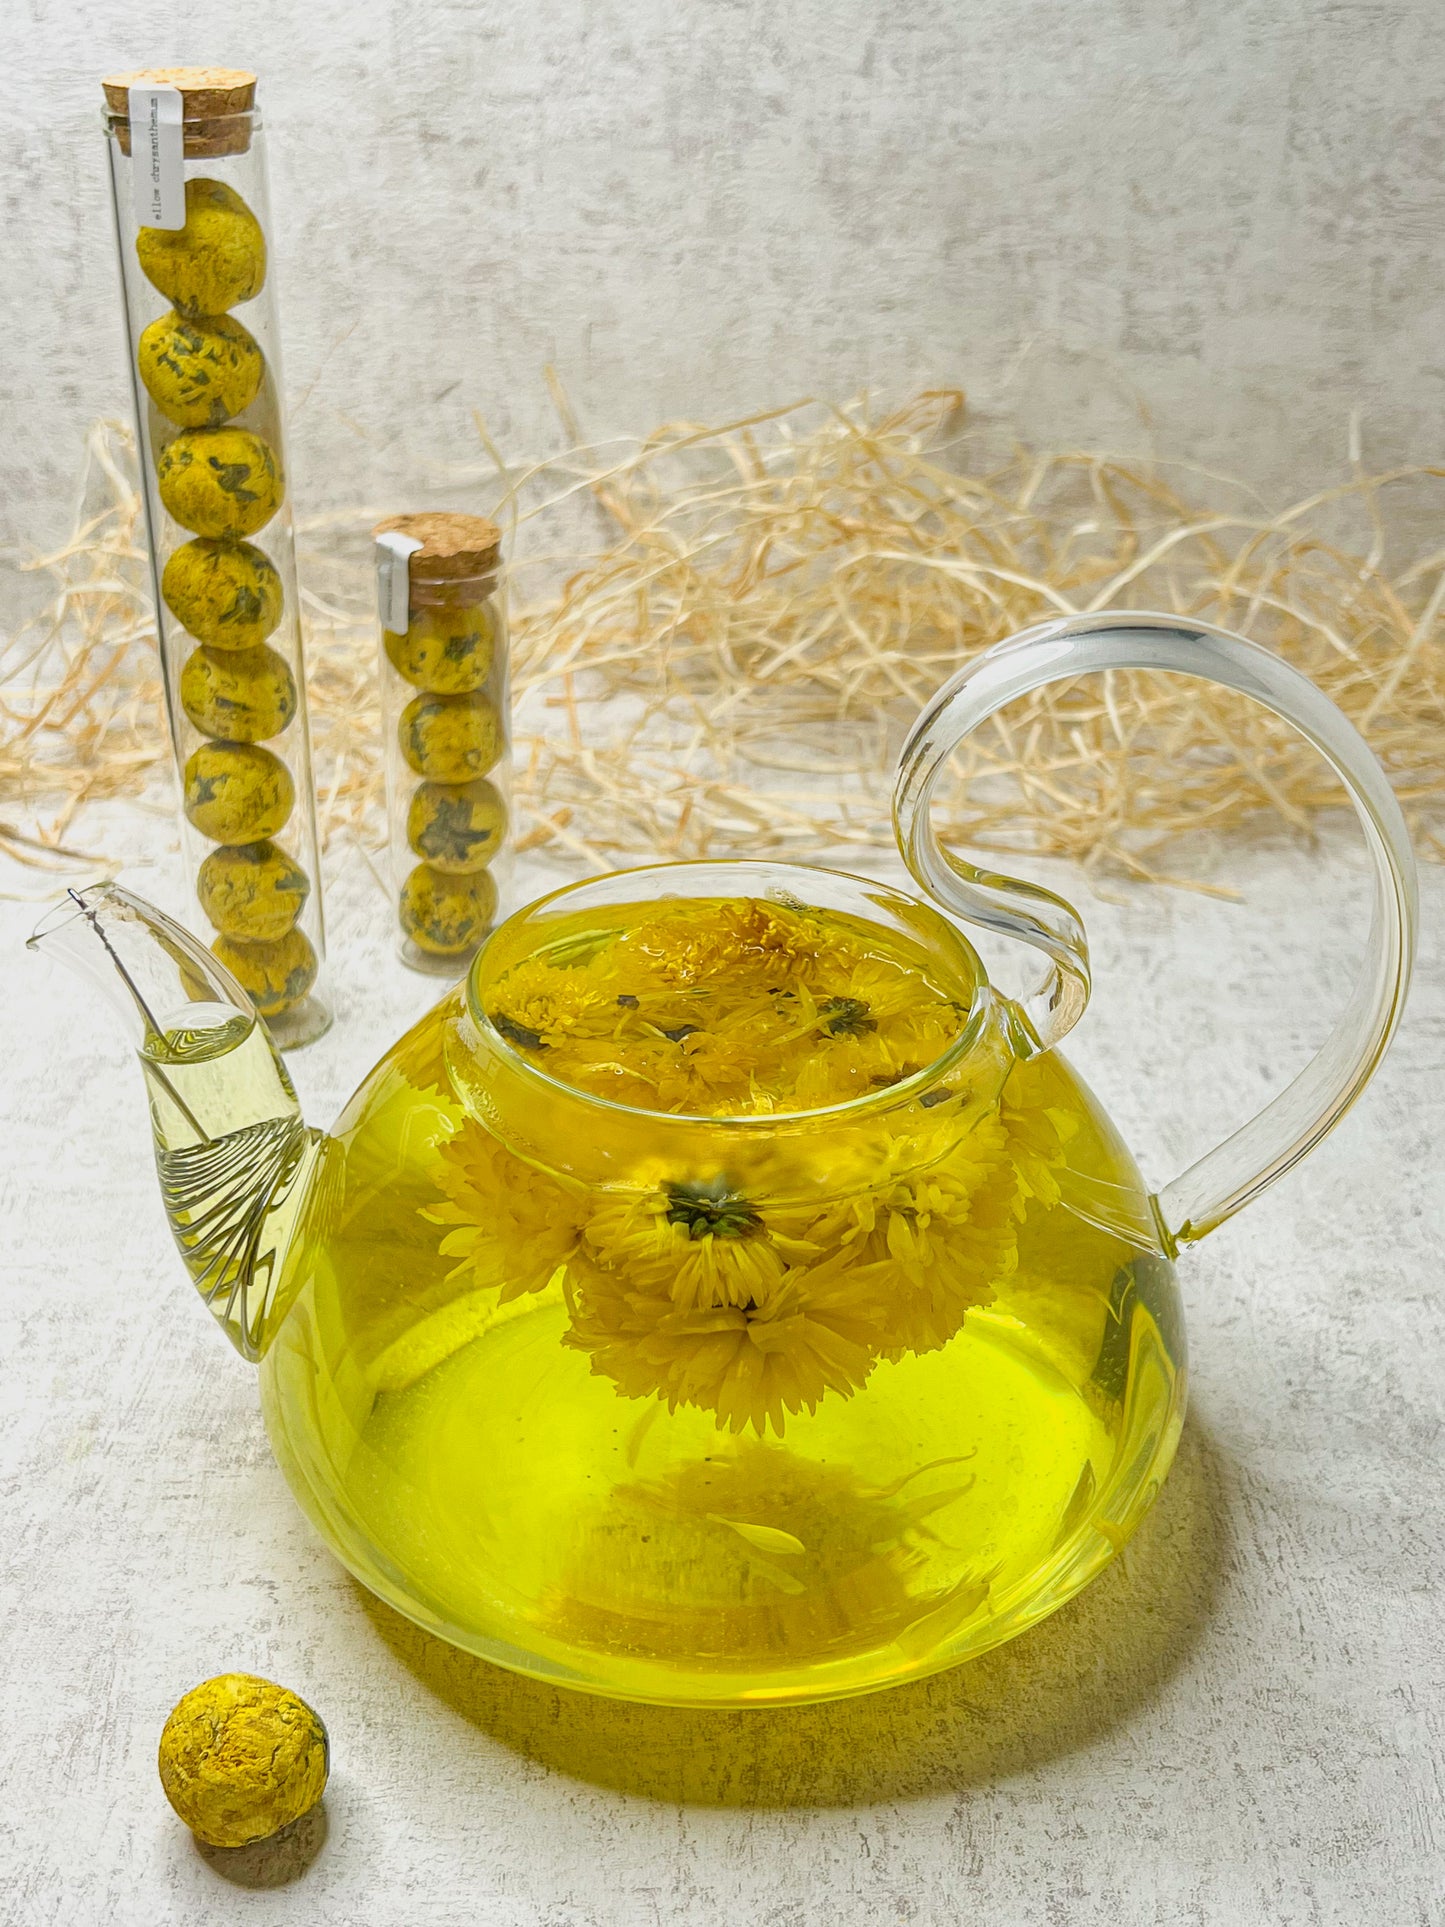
(75, 903)
(145, 963)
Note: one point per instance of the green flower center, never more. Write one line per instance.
(847, 1017)
(711, 1210)
(516, 1033)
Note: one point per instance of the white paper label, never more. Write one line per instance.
(157, 156)
(393, 579)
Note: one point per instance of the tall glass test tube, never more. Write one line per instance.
(192, 222)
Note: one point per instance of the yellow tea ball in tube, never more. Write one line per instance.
(245, 695)
(254, 891)
(457, 827)
(237, 792)
(448, 651)
(227, 594)
(450, 738)
(200, 370)
(220, 481)
(445, 915)
(216, 260)
(273, 975)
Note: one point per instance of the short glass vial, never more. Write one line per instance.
(444, 670)
(192, 224)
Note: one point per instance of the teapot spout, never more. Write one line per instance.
(239, 1169)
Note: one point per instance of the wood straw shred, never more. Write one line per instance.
(727, 662)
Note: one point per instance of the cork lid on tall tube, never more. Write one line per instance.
(216, 106)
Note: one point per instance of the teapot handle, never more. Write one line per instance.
(1236, 1171)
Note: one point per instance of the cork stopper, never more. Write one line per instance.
(454, 548)
(216, 106)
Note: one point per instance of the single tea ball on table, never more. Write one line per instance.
(246, 695)
(227, 594)
(201, 370)
(457, 827)
(240, 1758)
(450, 738)
(219, 481)
(237, 792)
(215, 261)
(444, 915)
(254, 891)
(447, 651)
(273, 975)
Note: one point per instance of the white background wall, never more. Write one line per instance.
(1226, 213)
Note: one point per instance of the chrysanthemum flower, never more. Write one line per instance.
(725, 1008)
(697, 1245)
(541, 1006)
(754, 1293)
(751, 1363)
(1037, 1134)
(735, 935)
(420, 1058)
(951, 1242)
(516, 1226)
(927, 1246)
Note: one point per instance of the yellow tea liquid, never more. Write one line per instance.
(774, 1426)
(233, 1157)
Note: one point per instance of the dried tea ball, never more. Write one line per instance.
(244, 695)
(237, 792)
(226, 593)
(217, 259)
(219, 481)
(445, 915)
(241, 1758)
(273, 975)
(457, 827)
(450, 738)
(448, 651)
(252, 890)
(200, 371)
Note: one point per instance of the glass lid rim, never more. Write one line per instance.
(906, 1090)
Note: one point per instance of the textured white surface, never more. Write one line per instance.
(1226, 214)
(1239, 1725)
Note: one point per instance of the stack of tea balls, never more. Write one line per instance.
(201, 368)
(447, 677)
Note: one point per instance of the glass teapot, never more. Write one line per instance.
(727, 1295)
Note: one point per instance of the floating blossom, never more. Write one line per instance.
(662, 1249)
(545, 1005)
(753, 1293)
(1037, 1133)
(420, 1058)
(726, 1007)
(951, 1242)
(928, 1247)
(516, 1226)
(737, 935)
(700, 1295)
(752, 1363)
